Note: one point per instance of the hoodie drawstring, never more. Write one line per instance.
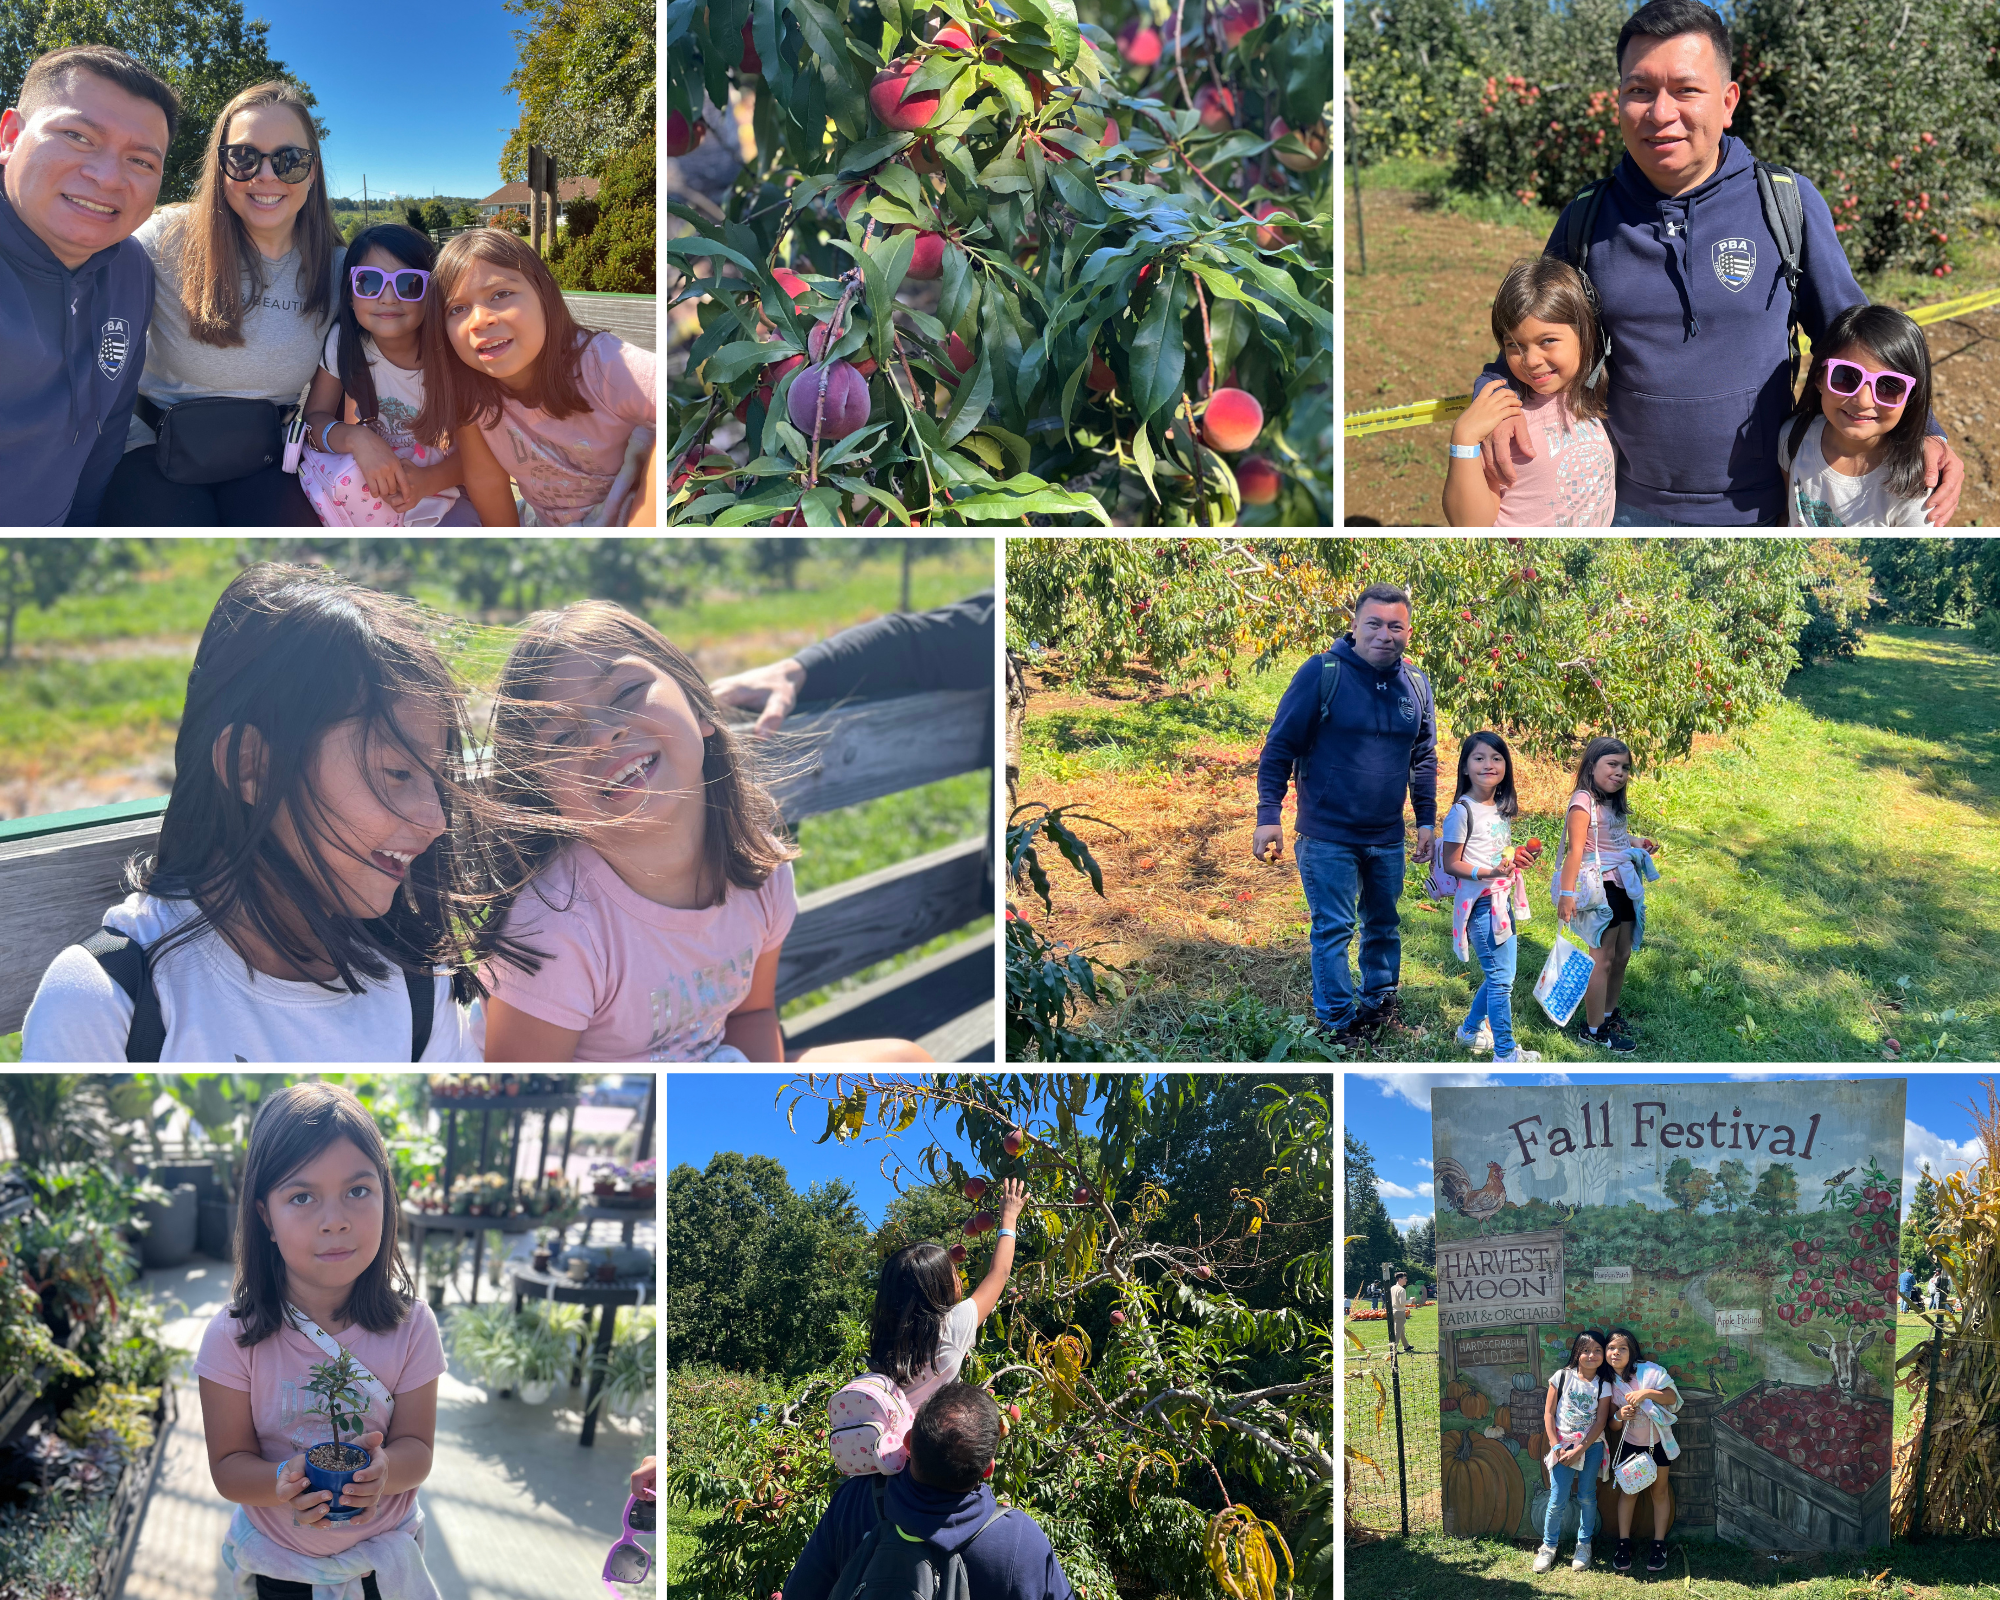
(1687, 268)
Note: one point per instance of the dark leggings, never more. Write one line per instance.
(285, 1589)
(139, 497)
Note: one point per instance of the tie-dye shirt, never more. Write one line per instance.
(1572, 481)
(639, 981)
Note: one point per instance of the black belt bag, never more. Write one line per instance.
(215, 440)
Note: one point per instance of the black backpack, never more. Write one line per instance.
(1329, 686)
(1784, 215)
(893, 1565)
(127, 962)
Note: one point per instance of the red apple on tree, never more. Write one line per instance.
(683, 135)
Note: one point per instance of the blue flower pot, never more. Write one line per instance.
(333, 1482)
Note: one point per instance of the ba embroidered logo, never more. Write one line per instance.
(1735, 262)
(1406, 708)
(113, 343)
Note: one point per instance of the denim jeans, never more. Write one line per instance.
(1493, 1000)
(1335, 877)
(1628, 516)
(1560, 1479)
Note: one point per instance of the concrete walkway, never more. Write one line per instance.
(517, 1509)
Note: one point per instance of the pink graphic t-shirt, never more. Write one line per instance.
(566, 465)
(641, 982)
(274, 1371)
(1573, 480)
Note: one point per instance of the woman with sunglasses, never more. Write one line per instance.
(1854, 448)
(244, 292)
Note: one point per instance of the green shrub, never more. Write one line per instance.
(614, 253)
(1986, 631)
(1838, 593)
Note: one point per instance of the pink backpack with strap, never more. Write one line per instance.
(867, 1422)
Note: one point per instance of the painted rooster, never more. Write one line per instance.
(1455, 1184)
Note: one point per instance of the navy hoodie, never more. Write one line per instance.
(1011, 1561)
(72, 345)
(1381, 741)
(1696, 305)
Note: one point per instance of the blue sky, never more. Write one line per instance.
(711, 1111)
(1390, 1112)
(414, 96)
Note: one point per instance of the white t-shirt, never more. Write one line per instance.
(1576, 1400)
(399, 394)
(217, 1009)
(1822, 498)
(1480, 828)
(955, 1340)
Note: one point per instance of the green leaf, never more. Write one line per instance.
(1037, 165)
(892, 257)
(1077, 191)
(862, 157)
(810, 189)
(975, 390)
(952, 296)
(734, 360)
(1089, 65)
(889, 213)
(901, 182)
(853, 444)
(988, 450)
(1063, 30)
(1045, 502)
(1142, 458)
(1158, 355)
(822, 508)
(895, 23)
(881, 497)
(1013, 441)
(936, 73)
(691, 246)
(1012, 86)
(844, 98)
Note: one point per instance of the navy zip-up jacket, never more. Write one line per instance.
(72, 345)
(1380, 741)
(1696, 303)
(1012, 1560)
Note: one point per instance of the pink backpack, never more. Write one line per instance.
(867, 1421)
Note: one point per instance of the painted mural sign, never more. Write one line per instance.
(1746, 1233)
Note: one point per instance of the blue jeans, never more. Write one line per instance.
(1560, 1479)
(1493, 1000)
(1335, 876)
(1628, 516)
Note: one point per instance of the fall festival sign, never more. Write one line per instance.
(1745, 1234)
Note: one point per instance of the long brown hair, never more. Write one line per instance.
(456, 396)
(216, 251)
(1551, 290)
(292, 1127)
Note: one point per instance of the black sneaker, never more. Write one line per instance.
(1656, 1558)
(1607, 1037)
(1621, 1560)
(1618, 1022)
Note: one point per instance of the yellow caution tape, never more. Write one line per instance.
(1422, 413)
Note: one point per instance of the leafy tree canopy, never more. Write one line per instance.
(587, 82)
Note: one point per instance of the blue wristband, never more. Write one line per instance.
(1006, 1233)
(1464, 452)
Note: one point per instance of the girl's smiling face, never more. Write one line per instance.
(1546, 356)
(494, 322)
(327, 1218)
(266, 203)
(1619, 1353)
(1589, 1356)
(622, 741)
(386, 317)
(1612, 771)
(1857, 415)
(1485, 766)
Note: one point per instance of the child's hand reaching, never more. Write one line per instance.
(1496, 403)
(1013, 1196)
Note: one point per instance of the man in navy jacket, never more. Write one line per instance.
(83, 155)
(1378, 742)
(940, 1496)
(1687, 272)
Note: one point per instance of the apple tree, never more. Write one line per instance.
(989, 265)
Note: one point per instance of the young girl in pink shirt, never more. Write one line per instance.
(319, 1271)
(1549, 335)
(646, 893)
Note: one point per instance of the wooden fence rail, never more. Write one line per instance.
(59, 873)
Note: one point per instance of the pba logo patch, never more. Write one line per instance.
(1735, 262)
(113, 344)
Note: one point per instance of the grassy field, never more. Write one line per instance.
(1822, 885)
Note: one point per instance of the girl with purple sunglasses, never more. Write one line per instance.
(1854, 447)
(362, 467)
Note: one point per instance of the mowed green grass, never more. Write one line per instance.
(1826, 876)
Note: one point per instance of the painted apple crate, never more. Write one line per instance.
(1767, 1502)
(1693, 1472)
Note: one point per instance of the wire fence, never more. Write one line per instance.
(1392, 1419)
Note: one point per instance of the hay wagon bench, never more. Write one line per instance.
(59, 872)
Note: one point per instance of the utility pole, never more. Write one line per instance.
(364, 199)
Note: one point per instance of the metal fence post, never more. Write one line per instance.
(1402, 1466)
(1924, 1443)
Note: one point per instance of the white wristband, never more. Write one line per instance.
(1006, 1233)
(1464, 452)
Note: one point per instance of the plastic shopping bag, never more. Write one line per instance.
(1565, 975)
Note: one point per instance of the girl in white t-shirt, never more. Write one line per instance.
(363, 467)
(305, 888)
(642, 892)
(1574, 1412)
(1854, 449)
(1479, 852)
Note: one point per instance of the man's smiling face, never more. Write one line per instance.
(83, 169)
(1673, 104)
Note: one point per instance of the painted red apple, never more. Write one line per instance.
(752, 63)
(846, 408)
(1139, 44)
(683, 135)
(898, 109)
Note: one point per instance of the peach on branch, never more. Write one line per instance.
(1257, 481)
(752, 64)
(1139, 44)
(957, 1251)
(1117, 1319)
(816, 343)
(850, 198)
(927, 260)
(974, 1188)
(1204, 1272)
(1101, 377)
(889, 96)
(962, 358)
(1112, 135)
(1237, 20)
(1270, 237)
(1232, 421)
(683, 135)
(1217, 108)
(1313, 138)
(846, 408)
(952, 37)
(792, 283)
(1015, 1138)
(921, 158)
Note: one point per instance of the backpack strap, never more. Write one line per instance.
(423, 1010)
(1329, 686)
(126, 961)
(1577, 223)
(1785, 215)
(969, 1543)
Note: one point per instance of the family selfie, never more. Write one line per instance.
(231, 360)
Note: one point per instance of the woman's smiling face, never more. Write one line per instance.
(266, 203)
(327, 1217)
(494, 322)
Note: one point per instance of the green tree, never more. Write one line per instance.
(1777, 1192)
(413, 216)
(613, 253)
(1913, 1252)
(1688, 1185)
(207, 53)
(466, 216)
(436, 218)
(1421, 1243)
(588, 83)
(37, 572)
(1732, 1180)
(1375, 1237)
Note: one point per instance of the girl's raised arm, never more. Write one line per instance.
(1013, 1196)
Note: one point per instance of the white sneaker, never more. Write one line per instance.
(1581, 1560)
(1545, 1558)
(1480, 1043)
(1517, 1058)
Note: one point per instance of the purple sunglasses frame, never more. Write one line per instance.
(389, 277)
(1867, 381)
(605, 1576)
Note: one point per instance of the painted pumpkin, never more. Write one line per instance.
(1483, 1489)
(1457, 1390)
(1538, 1447)
(1475, 1405)
(1503, 1419)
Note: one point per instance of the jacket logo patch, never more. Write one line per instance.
(1406, 708)
(1735, 262)
(113, 344)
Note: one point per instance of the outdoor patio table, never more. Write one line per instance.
(566, 1290)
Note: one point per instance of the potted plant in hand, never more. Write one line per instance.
(331, 1466)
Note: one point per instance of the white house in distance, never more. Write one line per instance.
(514, 196)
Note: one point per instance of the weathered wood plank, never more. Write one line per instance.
(933, 999)
(636, 320)
(853, 925)
(877, 747)
(54, 892)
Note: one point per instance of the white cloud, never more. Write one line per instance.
(1405, 1224)
(1425, 1161)
(1416, 1087)
(1555, 1080)
(1945, 1156)
(1390, 1190)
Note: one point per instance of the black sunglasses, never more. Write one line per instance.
(244, 161)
